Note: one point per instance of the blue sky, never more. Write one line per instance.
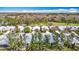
(41, 9)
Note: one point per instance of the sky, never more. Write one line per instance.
(41, 9)
(41, 3)
(40, 6)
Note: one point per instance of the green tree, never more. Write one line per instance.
(27, 30)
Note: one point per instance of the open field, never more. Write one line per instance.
(39, 32)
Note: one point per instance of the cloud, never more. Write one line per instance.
(71, 10)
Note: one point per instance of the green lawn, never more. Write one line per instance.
(64, 24)
(54, 24)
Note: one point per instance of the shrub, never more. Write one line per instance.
(77, 31)
(1, 32)
(15, 43)
(27, 30)
(16, 29)
(47, 41)
(32, 44)
(40, 46)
